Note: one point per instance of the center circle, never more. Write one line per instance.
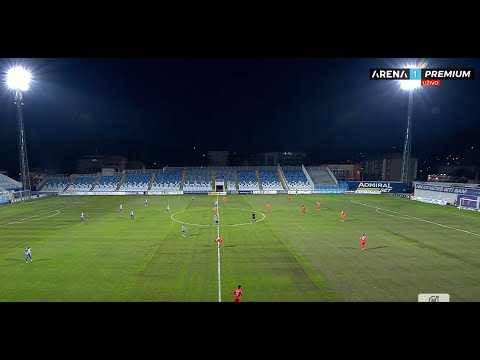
(225, 212)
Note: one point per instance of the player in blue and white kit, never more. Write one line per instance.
(184, 232)
(82, 217)
(216, 219)
(146, 202)
(131, 215)
(121, 209)
(28, 254)
(168, 208)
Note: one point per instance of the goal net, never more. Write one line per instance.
(469, 202)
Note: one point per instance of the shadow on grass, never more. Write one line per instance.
(23, 259)
(376, 247)
(359, 248)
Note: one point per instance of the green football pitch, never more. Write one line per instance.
(285, 256)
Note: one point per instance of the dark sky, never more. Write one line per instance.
(159, 109)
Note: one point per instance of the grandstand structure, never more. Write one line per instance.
(200, 180)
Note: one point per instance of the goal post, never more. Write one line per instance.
(469, 202)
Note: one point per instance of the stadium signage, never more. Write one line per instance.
(429, 200)
(406, 196)
(448, 189)
(386, 187)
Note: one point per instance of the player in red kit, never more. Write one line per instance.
(303, 209)
(237, 293)
(363, 240)
(318, 205)
(342, 216)
(288, 198)
(219, 241)
(224, 199)
(268, 207)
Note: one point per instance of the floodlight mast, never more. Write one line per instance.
(24, 171)
(410, 86)
(18, 79)
(407, 146)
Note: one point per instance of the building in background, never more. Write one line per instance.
(90, 164)
(218, 158)
(136, 165)
(37, 175)
(284, 158)
(388, 168)
(116, 162)
(346, 172)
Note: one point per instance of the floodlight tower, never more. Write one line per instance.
(18, 79)
(410, 86)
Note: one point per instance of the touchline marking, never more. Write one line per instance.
(218, 253)
(417, 218)
(394, 215)
(41, 216)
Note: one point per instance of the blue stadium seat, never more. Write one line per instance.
(168, 180)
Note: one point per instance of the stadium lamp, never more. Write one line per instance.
(410, 86)
(19, 79)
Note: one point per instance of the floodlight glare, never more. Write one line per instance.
(19, 78)
(409, 85)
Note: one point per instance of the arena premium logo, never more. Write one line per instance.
(385, 187)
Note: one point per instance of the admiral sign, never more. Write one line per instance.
(386, 187)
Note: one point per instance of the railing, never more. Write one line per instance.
(332, 176)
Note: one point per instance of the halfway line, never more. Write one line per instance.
(218, 252)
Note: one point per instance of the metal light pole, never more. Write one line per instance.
(22, 144)
(410, 86)
(18, 79)
(407, 146)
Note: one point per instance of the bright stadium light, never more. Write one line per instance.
(410, 86)
(18, 79)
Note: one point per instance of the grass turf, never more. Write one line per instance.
(412, 248)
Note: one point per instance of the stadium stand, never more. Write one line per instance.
(167, 180)
(270, 180)
(229, 176)
(201, 180)
(247, 180)
(7, 183)
(296, 179)
(55, 184)
(197, 180)
(136, 180)
(108, 183)
(320, 176)
(82, 183)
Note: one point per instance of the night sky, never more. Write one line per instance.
(158, 110)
